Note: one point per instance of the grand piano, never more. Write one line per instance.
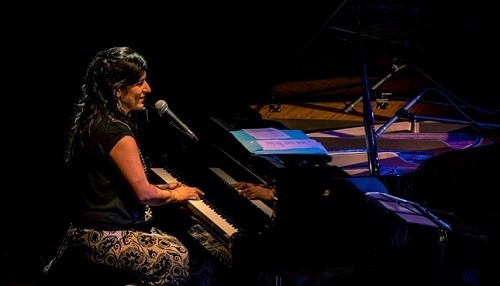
(437, 150)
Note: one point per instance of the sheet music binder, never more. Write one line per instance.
(408, 211)
(295, 142)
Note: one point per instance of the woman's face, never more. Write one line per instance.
(133, 97)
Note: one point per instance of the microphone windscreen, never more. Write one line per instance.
(161, 104)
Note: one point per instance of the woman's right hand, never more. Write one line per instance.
(183, 193)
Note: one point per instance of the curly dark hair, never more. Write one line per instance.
(109, 71)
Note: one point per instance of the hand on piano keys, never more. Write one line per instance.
(239, 186)
(223, 212)
(169, 186)
(254, 191)
(223, 228)
(181, 192)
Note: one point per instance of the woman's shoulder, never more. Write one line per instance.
(114, 122)
(114, 125)
(111, 130)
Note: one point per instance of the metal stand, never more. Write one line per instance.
(368, 117)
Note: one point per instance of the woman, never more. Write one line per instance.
(109, 219)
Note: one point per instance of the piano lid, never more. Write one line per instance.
(211, 55)
(219, 52)
(241, 53)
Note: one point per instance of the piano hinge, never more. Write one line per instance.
(274, 104)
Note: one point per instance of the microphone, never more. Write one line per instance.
(162, 107)
(401, 112)
(394, 68)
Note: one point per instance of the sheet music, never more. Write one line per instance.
(266, 133)
(289, 144)
(407, 210)
(268, 141)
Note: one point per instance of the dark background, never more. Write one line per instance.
(202, 54)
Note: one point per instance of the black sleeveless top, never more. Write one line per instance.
(103, 199)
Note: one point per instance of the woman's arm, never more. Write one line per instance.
(125, 155)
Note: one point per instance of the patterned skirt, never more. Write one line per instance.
(154, 257)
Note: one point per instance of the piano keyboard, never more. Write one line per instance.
(224, 229)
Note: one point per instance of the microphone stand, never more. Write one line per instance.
(368, 117)
(351, 105)
(415, 117)
(184, 130)
(403, 113)
(400, 113)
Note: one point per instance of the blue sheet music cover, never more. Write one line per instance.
(287, 142)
